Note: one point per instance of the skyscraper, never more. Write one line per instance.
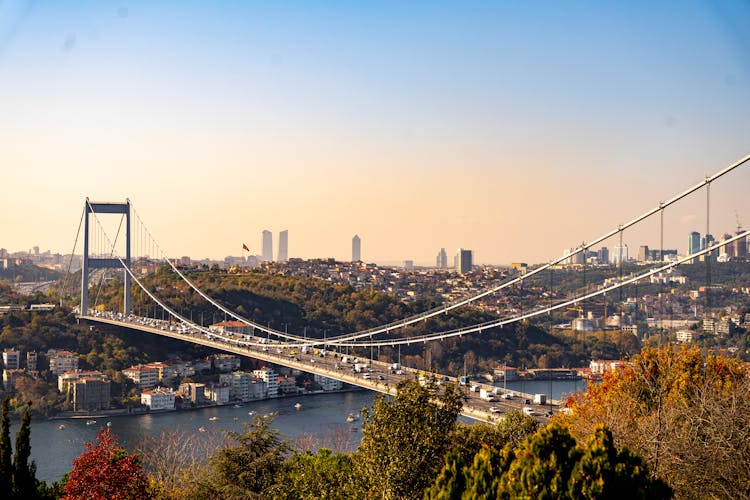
(267, 246)
(283, 246)
(603, 255)
(441, 261)
(643, 254)
(620, 254)
(706, 242)
(356, 249)
(694, 243)
(463, 261)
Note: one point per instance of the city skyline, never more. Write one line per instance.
(695, 242)
(500, 128)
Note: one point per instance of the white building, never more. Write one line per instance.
(686, 336)
(271, 378)
(217, 393)
(11, 359)
(239, 385)
(144, 376)
(62, 361)
(328, 384)
(602, 366)
(160, 398)
(619, 254)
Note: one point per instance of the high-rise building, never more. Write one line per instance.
(463, 261)
(283, 246)
(643, 253)
(694, 243)
(356, 249)
(706, 242)
(620, 254)
(441, 261)
(603, 255)
(737, 249)
(267, 246)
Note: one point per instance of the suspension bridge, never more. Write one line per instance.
(324, 356)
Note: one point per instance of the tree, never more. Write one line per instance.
(550, 464)
(604, 472)
(106, 471)
(308, 476)
(247, 470)
(24, 473)
(512, 429)
(6, 465)
(171, 458)
(686, 414)
(405, 438)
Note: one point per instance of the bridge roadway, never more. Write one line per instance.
(380, 378)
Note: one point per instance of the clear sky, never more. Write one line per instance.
(515, 129)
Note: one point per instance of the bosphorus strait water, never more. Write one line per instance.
(53, 449)
(320, 415)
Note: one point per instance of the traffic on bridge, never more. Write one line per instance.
(483, 402)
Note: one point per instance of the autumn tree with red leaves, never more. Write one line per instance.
(106, 471)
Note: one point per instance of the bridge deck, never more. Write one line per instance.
(381, 379)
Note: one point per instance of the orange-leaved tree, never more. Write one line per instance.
(687, 414)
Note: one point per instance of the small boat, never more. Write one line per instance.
(237, 406)
(212, 419)
(61, 426)
(109, 424)
(201, 429)
(90, 422)
(352, 417)
(251, 413)
(297, 406)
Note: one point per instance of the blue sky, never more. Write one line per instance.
(417, 125)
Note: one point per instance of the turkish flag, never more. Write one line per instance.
(244, 247)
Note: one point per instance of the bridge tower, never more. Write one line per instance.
(102, 263)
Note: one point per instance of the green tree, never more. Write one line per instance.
(468, 440)
(6, 465)
(247, 470)
(24, 473)
(603, 472)
(405, 438)
(542, 465)
(308, 476)
(550, 464)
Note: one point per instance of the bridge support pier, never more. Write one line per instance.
(101, 263)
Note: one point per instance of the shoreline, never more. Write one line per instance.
(124, 412)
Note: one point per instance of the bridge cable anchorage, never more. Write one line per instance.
(346, 339)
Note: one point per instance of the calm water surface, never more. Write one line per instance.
(54, 449)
